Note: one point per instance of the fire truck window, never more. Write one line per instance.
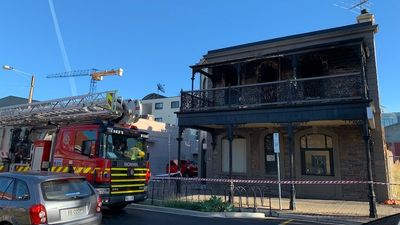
(81, 136)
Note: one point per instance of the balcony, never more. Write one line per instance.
(316, 90)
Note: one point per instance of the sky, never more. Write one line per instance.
(155, 41)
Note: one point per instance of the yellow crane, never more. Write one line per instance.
(95, 75)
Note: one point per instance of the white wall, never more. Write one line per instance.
(162, 144)
(166, 113)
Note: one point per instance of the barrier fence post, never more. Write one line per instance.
(179, 139)
(152, 193)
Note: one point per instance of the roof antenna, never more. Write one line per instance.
(362, 5)
(160, 87)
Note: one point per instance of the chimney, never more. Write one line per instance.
(365, 16)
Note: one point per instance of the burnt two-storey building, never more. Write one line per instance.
(318, 90)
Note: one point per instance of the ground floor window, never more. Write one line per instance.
(239, 159)
(317, 155)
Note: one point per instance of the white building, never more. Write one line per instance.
(163, 146)
(158, 118)
(389, 119)
(162, 108)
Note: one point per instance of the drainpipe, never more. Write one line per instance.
(230, 140)
(371, 192)
(292, 205)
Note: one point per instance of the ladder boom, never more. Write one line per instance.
(90, 107)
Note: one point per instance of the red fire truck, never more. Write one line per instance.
(88, 135)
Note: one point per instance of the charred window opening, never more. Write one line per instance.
(248, 72)
(311, 65)
(332, 61)
(225, 76)
(335, 61)
(268, 71)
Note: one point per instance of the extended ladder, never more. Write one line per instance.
(103, 105)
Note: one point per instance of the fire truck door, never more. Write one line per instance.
(40, 155)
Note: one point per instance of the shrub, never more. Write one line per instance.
(215, 204)
(182, 205)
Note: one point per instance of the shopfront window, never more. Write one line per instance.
(317, 155)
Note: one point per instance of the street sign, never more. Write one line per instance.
(277, 150)
(276, 142)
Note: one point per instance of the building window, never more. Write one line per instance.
(158, 119)
(239, 162)
(317, 155)
(159, 105)
(270, 156)
(174, 104)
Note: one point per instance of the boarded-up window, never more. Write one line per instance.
(239, 159)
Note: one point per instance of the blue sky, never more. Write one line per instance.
(155, 41)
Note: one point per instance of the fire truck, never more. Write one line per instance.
(89, 135)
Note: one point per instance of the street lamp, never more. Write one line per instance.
(7, 67)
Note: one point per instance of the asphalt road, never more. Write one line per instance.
(144, 217)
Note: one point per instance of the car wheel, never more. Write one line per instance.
(116, 207)
(186, 174)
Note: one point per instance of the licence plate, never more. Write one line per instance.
(73, 212)
(129, 198)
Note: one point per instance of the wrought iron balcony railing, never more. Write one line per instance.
(296, 91)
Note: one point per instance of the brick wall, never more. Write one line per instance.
(353, 160)
(350, 160)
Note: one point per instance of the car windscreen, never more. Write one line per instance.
(66, 189)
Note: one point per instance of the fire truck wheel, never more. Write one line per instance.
(117, 207)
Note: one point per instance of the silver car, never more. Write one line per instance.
(47, 198)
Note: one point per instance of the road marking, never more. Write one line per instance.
(286, 222)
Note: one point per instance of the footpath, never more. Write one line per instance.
(324, 211)
(334, 211)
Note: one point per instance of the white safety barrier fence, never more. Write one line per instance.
(245, 181)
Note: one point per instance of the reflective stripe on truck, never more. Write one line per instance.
(128, 180)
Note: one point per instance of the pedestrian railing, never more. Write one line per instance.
(262, 195)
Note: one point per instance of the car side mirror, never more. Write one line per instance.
(88, 148)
